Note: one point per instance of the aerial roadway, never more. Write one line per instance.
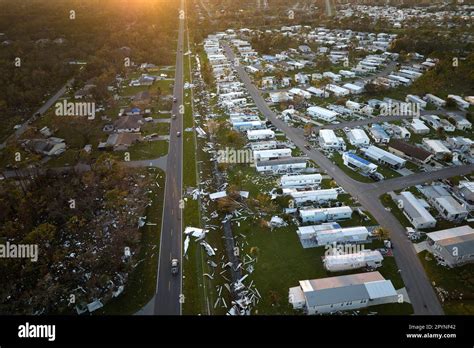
(168, 297)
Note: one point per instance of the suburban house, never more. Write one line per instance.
(357, 163)
(442, 200)
(122, 141)
(322, 113)
(403, 149)
(345, 262)
(325, 214)
(383, 157)
(415, 211)
(299, 181)
(455, 246)
(358, 137)
(128, 124)
(342, 293)
(329, 141)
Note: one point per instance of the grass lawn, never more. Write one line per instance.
(148, 150)
(458, 282)
(160, 128)
(141, 285)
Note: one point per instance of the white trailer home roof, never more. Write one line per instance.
(311, 195)
(436, 146)
(415, 210)
(342, 235)
(260, 134)
(362, 257)
(419, 126)
(319, 112)
(303, 180)
(265, 155)
(308, 213)
(383, 156)
(356, 89)
(357, 136)
(347, 288)
(452, 235)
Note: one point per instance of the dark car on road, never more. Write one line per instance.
(174, 266)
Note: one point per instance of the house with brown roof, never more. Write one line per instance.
(403, 149)
(121, 141)
(128, 124)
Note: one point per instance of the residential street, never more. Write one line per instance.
(420, 291)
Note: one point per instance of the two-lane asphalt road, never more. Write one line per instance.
(169, 287)
(418, 286)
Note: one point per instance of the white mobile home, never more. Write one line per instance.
(341, 293)
(282, 165)
(384, 157)
(303, 180)
(301, 197)
(455, 246)
(435, 100)
(260, 134)
(345, 262)
(419, 127)
(329, 141)
(322, 113)
(266, 155)
(415, 212)
(358, 137)
(325, 214)
(436, 147)
(355, 162)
